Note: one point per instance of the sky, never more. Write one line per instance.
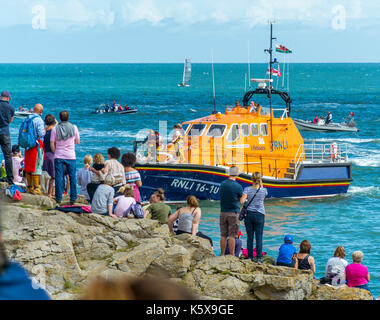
(167, 31)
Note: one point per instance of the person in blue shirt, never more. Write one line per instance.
(287, 253)
(230, 194)
(15, 283)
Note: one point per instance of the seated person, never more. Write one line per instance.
(336, 266)
(188, 219)
(159, 210)
(120, 108)
(102, 203)
(287, 253)
(316, 119)
(126, 107)
(124, 202)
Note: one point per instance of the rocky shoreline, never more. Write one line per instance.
(64, 251)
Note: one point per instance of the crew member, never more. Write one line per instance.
(126, 107)
(328, 118)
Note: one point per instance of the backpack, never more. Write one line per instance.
(26, 135)
(136, 209)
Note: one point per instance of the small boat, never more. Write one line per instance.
(186, 74)
(321, 126)
(21, 114)
(102, 111)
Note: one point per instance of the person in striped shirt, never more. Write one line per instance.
(132, 176)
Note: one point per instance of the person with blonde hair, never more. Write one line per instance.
(84, 176)
(255, 219)
(188, 219)
(96, 180)
(357, 275)
(335, 267)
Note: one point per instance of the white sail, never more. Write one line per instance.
(186, 74)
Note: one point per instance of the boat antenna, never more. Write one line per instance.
(249, 69)
(271, 63)
(213, 80)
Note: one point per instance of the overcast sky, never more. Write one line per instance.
(169, 30)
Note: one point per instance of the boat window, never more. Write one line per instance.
(254, 129)
(216, 130)
(233, 134)
(244, 130)
(264, 129)
(265, 111)
(185, 126)
(196, 130)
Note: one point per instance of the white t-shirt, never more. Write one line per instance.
(335, 269)
(123, 203)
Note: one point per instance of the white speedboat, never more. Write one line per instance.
(321, 126)
(21, 114)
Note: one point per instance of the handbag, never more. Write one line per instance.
(243, 211)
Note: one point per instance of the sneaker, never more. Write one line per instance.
(254, 259)
(259, 260)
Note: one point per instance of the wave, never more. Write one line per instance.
(366, 190)
(350, 140)
(372, 161)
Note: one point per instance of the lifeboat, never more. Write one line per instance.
(253, 137)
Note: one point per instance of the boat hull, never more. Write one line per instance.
(335, 127)
(179, 181)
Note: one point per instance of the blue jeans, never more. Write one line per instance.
(6, 148)
(71, 168)
(254, 225)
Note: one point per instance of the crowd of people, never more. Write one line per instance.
(112, 188)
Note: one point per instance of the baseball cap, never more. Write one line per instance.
(6, 93)
(233, 171)
(288, 239)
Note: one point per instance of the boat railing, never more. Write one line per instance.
(320, 153)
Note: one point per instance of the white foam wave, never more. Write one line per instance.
(369, 161)
(349, 140)
(367, 190)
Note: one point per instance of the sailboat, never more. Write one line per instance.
(186, 74)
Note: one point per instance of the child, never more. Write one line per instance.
(287, 253)
(124, 201)
(3, 172)
(17, 161)
(84, 176)
(95, 179)
(102, 202)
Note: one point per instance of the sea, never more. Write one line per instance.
(351, 220)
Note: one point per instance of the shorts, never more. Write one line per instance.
(229, 224)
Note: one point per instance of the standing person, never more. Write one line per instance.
(34, 157)
(305, 260)
(287, 254)
(132, 176)
(159, 210)
(17, 161)
(335, 267)
(357, 275)
(6, 117)
(84, 176)
(63, 139)
(255, 219)
(48, 165)
(178, 143)
(230, 195)
(188, 219)
(328, 117)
